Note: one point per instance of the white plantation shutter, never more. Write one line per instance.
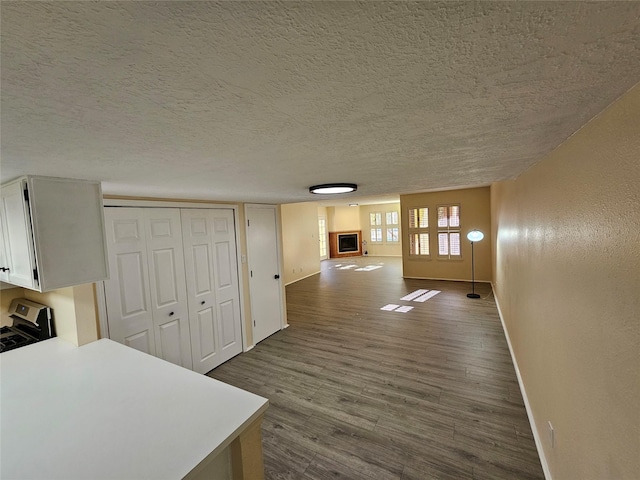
(454, 244)
(424, 218)
(424, 244)
(375, 219)
(443, 244)
(449, 231)
(418, 231)
(454, 216)
(443, 217)
(418, 218)
(419, 244)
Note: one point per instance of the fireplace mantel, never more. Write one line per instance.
(334, 249)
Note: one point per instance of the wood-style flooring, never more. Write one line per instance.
(356, 392)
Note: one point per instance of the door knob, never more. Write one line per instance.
(5, 269)
(276, 276)
(171, 314)
(202, 302)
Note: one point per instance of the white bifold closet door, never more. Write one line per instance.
(146, 294)
(174, 289)
(212, 283)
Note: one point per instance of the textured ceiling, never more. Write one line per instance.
(255, 101)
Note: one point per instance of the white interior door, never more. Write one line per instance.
(212, 286)
(127, 293)
(264, 267)
(167, 285)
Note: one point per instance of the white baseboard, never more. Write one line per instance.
(527, 405)
(298, 279)
(446, 279)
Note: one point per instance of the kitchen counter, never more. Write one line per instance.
(105, 410)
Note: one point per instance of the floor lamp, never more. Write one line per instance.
(473, 236)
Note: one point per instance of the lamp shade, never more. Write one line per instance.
(475, 235)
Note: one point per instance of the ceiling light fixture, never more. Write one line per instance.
(330, 188)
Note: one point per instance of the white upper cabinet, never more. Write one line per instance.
(53, 233)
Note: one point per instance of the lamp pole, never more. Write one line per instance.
(474, 236)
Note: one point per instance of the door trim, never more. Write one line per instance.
(326, 236)
(101, 302)
(283, 305)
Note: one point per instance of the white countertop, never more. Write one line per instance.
(104, 410)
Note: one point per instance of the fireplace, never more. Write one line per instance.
(345, 244)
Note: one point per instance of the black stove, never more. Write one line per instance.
(32, 322)
(10, 339)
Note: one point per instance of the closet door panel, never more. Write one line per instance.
(168, 288)
(227, 288)
(228, 322)
(128, 300)
(199, 267)
(206, 333)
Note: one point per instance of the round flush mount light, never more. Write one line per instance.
(475, 236)
(330, 188)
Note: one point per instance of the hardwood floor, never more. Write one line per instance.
(356, 392)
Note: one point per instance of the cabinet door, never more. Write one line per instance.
(19, 252)
(69, 238)
(167, 283)
(127, 292)
(4, 256)
(212, 286)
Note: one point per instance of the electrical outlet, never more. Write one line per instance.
(552, 435)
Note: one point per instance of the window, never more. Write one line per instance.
(393, 231)
(419, 231)
(449, 232)
(375, 222)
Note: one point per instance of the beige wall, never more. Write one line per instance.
(74, 312)
(343, 219)
(567, 278)
(475, 213)
(383, 249)
(300, 246)
(6, 296)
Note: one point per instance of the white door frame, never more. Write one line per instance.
(101, 302)
(283, 306)
(326, 236)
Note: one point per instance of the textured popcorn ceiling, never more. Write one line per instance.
(256, 101)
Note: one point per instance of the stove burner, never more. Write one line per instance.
(11, 338)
